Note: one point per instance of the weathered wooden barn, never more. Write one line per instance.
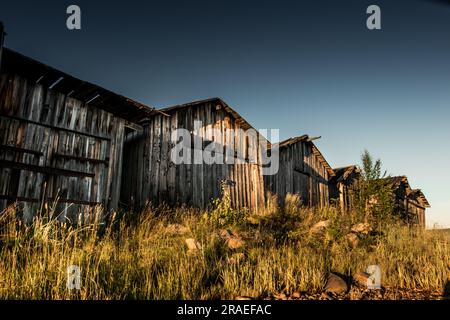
(410, 204)
(152, 176)
(303, 170)
(342, 186)
(61, 138)
(70, 142)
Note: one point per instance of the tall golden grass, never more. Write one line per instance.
(139, 256)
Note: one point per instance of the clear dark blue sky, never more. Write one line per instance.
(301, 66)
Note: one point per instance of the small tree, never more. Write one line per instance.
(374, 195)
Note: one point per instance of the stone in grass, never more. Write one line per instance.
(243, 298)
(352, 239)
(232, 240)
(361, 278)
(193, 245)
(364, 228)
(335, 284)
(319, 227)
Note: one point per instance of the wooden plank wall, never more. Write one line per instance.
(63, 133)
(150, 175)
(343, 192)
(300, 172)
(416, 213)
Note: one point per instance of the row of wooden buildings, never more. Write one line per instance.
(67, 141)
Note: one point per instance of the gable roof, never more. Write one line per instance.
(414, 194)
(238, 118)
(342, 173)
(96, 96)
(397, 181)
(306, 138)
(418, 195)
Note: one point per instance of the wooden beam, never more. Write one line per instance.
(21, 150)
(134, 126)
(58, 200)
(81, 159)
(45, 170)
(56, 127)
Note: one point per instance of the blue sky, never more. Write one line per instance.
(300, 66)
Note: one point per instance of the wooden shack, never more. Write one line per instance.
(303, 170)
(410, 204)
(343, 185)
(61, 138)
(417, 204)
(152, 176)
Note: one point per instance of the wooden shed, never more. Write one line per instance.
(152, 176)
(410, 203)
(417, 204)
(342, 186)
(303, 170)
(61, 138)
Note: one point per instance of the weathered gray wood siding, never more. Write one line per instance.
(150, 175)
(416, 212)
(56, 146)
(300, 172)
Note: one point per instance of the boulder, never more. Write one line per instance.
(232, 240)
(235, 242)
(335, 284)
(319, 227)
(352, 239)
(224, 234)
(361, 228)
(361, 278)
(192, 244)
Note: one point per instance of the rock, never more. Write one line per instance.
(352, 239)
(192, 244)
(361, 228)
(176, 229)
(296, 295)
(335, 284)
(361, 278)
(235, 243)
(243, 298)
(232, 240)
(225, 234)
(319, 227)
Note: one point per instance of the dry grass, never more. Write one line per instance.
(137, 256)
